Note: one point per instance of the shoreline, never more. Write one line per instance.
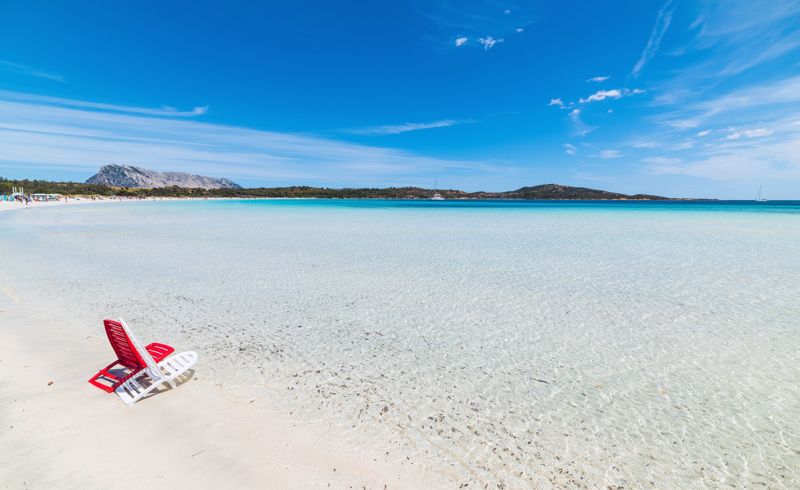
(15, 205)
(196, 435)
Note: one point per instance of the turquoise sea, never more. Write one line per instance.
(506, 344)
(510, 204)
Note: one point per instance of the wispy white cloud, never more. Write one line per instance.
(28, 70)
(608, 154)
(745, 167)
(661, 161)
(406, 127)
(98, 106)
(489, 42)
(579, 128)
(731, 38)
(771, 93)
(744, 34)
(602, 95)
(647, 144)
(556, 102)
(704, 132)
(687, 123)
(460, 41)
(520, 29)
(775, 50)
(78, 137)
(444, 18)
(663, 20)
(570, 149)
(598, 79)
(767, 100)
(749, 133)
(743, 154)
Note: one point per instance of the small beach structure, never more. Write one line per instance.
(17, 194)
(45, 197)
(139, 370)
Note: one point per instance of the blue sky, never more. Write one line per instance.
(672, 97)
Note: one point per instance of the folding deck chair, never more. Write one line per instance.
(150, 370)
(129, 361)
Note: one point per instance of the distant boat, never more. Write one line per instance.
(436, 196)
(759, 197)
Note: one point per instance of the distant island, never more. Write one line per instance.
(142, 178)
(129, 181)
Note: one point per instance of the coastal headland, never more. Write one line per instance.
(135, 182)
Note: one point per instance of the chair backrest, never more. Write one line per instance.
(148, 360)
(125, 348)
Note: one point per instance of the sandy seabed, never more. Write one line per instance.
(57, 431)
(495, 345)
(60, 432)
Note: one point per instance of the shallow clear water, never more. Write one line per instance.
(522, 344)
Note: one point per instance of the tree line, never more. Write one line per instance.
(82, 189)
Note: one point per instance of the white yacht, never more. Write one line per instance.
(436, 196)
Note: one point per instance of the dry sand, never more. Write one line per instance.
(12, 205)
(58, 431)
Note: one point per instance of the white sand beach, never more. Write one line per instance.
(17, 205)
(80, 201)
(60, 432)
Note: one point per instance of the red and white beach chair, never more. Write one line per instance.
(129, 361)
(140, 370)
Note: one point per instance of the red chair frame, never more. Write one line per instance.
(128, 358)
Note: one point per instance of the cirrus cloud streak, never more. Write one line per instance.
(78, 137)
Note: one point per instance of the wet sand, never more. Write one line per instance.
(60, 432)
